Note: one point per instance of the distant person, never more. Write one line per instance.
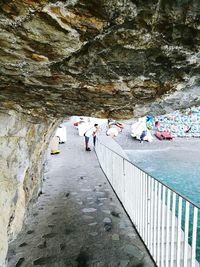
(142, 136)
(157, 122)
(90, 132)
(188, 129)
(95, 133)
(112, 123)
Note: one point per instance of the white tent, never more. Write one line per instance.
(83, 127)
(89, 123)
(61, 133)
(113, 132)
(54, 145)
(138, 127)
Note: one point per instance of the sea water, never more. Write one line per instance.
(178, 169)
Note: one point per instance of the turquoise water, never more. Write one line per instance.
(178, 169)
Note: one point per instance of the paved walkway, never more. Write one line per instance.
(77, 221)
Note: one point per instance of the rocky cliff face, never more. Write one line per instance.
(23, 147)
(99, 57)
(108, 58)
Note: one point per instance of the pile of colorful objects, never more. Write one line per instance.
(181, 124)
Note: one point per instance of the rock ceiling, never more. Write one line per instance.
(110, 58)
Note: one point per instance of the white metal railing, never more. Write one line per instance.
(166, 221)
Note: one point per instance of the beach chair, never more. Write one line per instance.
(163, 135)
(159, 135)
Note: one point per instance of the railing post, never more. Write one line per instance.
(148, 211)
(159, 225)
(155, 220)
(146, 208)
(179, 231)
(168, 228)
(151, 230)
(163, 227)
(140, 205)
(173, 228)
(186, 234)
(194, 236)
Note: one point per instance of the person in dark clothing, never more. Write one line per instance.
(143, 134)
(95, 133)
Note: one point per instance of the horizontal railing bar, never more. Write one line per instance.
(173, 190)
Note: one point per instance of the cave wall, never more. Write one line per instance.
(23, 148)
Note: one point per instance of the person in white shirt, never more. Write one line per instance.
(90, 132)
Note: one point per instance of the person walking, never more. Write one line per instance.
(90, 132)
(96, 126)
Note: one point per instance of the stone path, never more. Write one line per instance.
(77, 221)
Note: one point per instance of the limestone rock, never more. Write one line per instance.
(23, 148)
(100, 57)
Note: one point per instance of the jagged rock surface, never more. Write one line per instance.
(105, 57)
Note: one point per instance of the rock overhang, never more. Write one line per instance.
(106, 58)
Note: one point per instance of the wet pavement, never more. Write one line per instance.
(77, 221)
